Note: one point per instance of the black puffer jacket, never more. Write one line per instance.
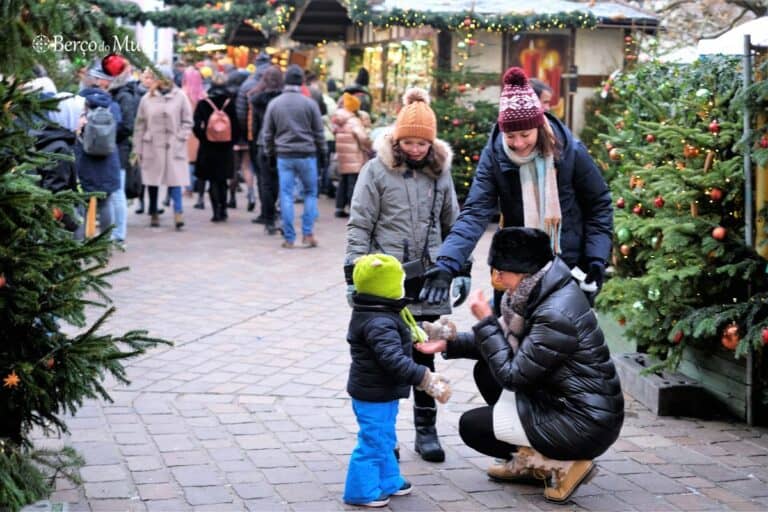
(380, 344)
(568, 393)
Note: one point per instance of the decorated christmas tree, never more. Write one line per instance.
(669, 139)
(47, 280)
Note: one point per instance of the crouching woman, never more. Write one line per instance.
(554, 398)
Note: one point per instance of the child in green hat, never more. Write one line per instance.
(381, 335)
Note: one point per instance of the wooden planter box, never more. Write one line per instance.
(723, 376)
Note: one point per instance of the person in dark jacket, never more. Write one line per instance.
(540, 176)
(554, 398)
(214, 159)
(380, 336)
(270, 87)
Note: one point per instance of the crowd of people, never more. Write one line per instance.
(554, 401)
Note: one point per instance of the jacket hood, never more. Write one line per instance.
(384, 147)
(567, 143)
(50, 133)
(218, 90)
(265, 97)
(341, 116)
(95, 97)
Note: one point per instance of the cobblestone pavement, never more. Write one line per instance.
(248, 411)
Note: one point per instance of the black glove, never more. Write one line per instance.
(348, 269)
(322, 160)
(437, 285)
(595, 274)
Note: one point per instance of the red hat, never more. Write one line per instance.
(519, 107)
(114, 64)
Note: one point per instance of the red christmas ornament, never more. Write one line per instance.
(620, 203)
(627, 39)
(678, 337)
(719, 233)
(472, 42)
(638, 209)
(650, 138)
(614, 154)
(764, 142)
(467, 21)
(475, 157)
(49, 363)
(765, 335)
(716, 194)
(714, 126)
(2, 281)
(456, 122)
(659, 202)
(462, 88)
(57, 213)
(625, 249)
(731, 337)
(622, 321)
(114, 64)
(201, 30)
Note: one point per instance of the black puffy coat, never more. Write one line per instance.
(380, 344)
(568, 393)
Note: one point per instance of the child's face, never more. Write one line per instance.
(522, 142)
(504, 280)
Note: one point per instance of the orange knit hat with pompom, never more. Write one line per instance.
(416, 118)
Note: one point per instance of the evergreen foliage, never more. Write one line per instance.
(47, 280)
(668, 139)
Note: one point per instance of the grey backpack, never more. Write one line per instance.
(100, 132)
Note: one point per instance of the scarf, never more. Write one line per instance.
(513, 305)
(417, 333)
(541, 202)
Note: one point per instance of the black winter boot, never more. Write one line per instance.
(427, 444)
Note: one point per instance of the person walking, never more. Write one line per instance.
(540, 176)
(293, 131)
(163, 124)
(404, 203)
(553, 394)
(214, 157)
(192, 85)
(353, 147)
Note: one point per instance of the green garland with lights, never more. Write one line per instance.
(361, 13)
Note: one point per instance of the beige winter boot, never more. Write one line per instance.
(515, 470)
(564, 476)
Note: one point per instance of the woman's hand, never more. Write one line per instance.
(479, 306)
(431, 346)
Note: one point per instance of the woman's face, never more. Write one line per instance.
(546, 100)
(504, 280)
(414, 147)
(147, 79)
(522, 142)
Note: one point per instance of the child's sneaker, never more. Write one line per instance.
(381, 501)
(406, 488)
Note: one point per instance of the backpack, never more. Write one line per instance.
(100, 132)
(219, 127)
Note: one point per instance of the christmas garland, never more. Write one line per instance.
(361, 13)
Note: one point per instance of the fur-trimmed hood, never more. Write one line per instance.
(384, 147)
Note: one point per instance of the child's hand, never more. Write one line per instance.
(431, 346)
(436, 386)
(479, 306)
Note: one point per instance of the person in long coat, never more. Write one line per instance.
(214, 159)
(163, 125)
(404, 203)
(353, 146)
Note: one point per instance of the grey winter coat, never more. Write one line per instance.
(390, 210)
(293, 126)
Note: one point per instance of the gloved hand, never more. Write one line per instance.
(442, 329)
(350, 291)
(595, 274)
(437, 282)
(322, 160)
(435, 385)
(461, 286)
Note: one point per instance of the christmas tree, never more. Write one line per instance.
(668, 138)
(47, 280)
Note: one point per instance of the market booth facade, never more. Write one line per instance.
(571, 46)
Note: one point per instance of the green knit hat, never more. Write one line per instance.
(380, 275)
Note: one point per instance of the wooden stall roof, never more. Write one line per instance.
(320, 20)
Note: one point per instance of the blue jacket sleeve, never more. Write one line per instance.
(479, 208)
(595, 202)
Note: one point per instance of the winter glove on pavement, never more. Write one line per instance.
(442, 329)
(437, 283)
(436, 386)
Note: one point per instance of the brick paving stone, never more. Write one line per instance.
(113, 505)
(163, 491)
(143, 463)
(623, 467)
(271, 504)
(469, 480)
(695, 483)
(102, 490)
(750, 488)
(673, 470)
(249, 491)
(287, 475)
(103, 473)
(188, 476)
(257, 442)
(173, 442)
(442, 493)
(207, 495)
(692, 502)
(301, 491)
(644, 500)
(656, 483)
(601, 502)
(494, 499)
(651, 441)
(151, 477)
(96, 454)
(718, 473)
(185, 458)
(331, 477)
(271, 458)
(613, 483)
(680, 455)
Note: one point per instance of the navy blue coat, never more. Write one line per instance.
(380, 344)
(99, 173)
(585, 202)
